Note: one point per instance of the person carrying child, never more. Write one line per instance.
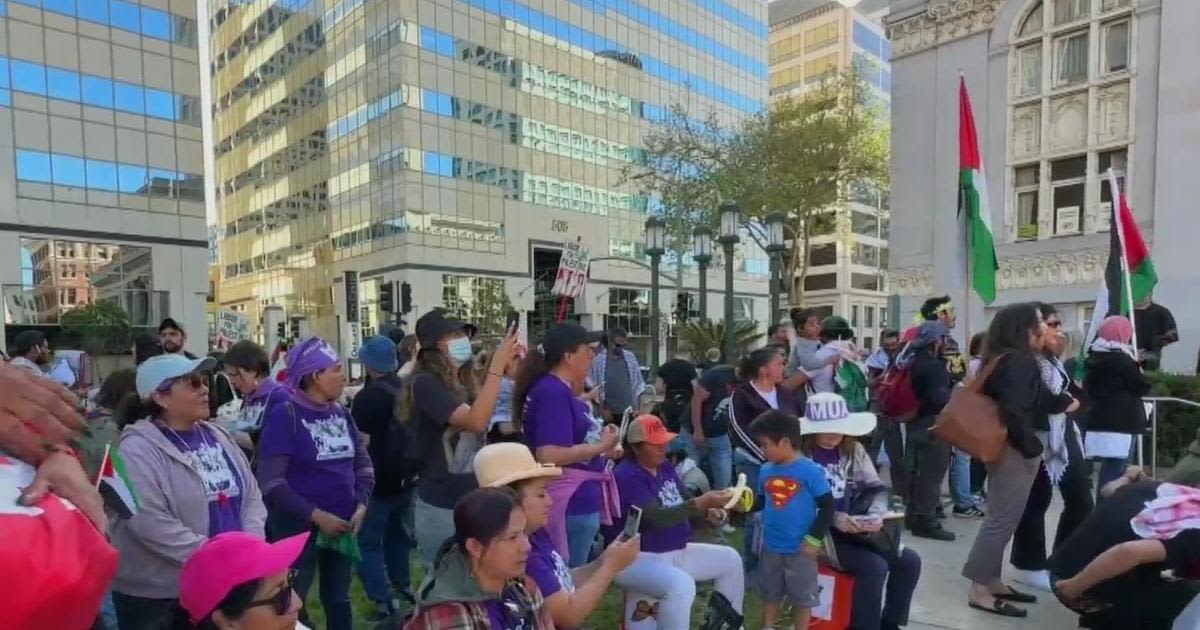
(797, 509)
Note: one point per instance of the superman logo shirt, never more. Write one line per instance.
(791, 492)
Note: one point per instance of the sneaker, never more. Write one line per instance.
(932, 532)
(728, 529)
(968, 512)
(1035, 579)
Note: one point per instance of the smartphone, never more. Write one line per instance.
(633, 522)
(512, 320)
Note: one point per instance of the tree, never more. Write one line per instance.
(700, 336)
(801, 158)
(100, 328)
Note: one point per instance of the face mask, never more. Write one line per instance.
(459, 350)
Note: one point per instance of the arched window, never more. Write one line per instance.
(1070, 99)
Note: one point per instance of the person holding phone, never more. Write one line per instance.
(830, 438)
(670, 565)
(448, 410)
(571, 594)
(560, 430)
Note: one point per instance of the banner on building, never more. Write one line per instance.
(572, 270)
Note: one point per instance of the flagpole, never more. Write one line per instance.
(1115, 190)
(100, 473)
(965, 224)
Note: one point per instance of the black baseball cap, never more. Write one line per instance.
(169, 324)
(617, 331)
(434, 325)
(27, 340)
(565, 337)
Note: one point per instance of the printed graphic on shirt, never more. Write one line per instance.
(252, 416)
(209, 461)
(781, 490)
(331, 437)
(594, 431)
(668, 494)
(836, 475)
(562, 572)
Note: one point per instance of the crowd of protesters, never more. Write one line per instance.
(531, 480)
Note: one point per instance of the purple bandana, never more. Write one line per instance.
(309, 357)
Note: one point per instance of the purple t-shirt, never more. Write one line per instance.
(547, 567)
(254, 405)
(500, 621)
(638, 487)
(218, 475)
(555, 417)
(836, 472)
(319, 442)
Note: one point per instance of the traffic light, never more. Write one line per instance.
(281, 330)
(387, 297)
(405, 298)
(681, 306)
(295, 328)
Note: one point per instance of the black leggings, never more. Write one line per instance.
(1029, 541)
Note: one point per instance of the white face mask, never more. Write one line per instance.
(459, 351)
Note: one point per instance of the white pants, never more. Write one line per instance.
(671, 578)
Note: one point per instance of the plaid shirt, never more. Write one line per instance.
(474, 615)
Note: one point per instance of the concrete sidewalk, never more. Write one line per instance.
(941, 599)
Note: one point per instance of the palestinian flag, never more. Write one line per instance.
(974, 216)
(1129, 276)
(115, 487)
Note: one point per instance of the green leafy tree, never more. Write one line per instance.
(801, 158)
(99, 328)
(700, 336)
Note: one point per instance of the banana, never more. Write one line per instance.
(737, 492)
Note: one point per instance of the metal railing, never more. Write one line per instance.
(1152, 403)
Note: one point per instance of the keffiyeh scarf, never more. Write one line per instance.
(1055, 455)
(1174, 510)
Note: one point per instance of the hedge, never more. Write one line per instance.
(1177, 423)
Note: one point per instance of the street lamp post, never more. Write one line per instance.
(702, 254)
(656, 235)
(775, 250)
(730, 220)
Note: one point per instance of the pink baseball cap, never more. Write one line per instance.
(228, 560)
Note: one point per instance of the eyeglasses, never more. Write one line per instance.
(280, 602)
(194, 380)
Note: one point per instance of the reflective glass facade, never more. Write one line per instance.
(366, 134)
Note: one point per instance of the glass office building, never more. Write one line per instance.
(101, 167)
(455, 145)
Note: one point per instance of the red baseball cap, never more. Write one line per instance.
(649, 429)
(228, 560)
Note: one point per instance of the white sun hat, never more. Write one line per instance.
(826, 412)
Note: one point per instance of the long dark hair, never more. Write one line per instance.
(235, 604)
(432, 361)
(134, 408)
(533, 367)
(1009, 331)
(482, 514)
(753, 362)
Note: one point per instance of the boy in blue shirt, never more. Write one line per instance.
(797, 509)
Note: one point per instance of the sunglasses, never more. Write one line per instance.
(195, 380)
(280, 602)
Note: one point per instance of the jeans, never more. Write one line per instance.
(671, 578)
(144, 613)
(892, 438)
(334, 568)
(717, 454)
(743, 463)
(108, 612)
(960, 479)
(432, 526)
(871, 603)
(581, 534)
(386, 539)
(1111, 468)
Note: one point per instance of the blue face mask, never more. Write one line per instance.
(459, 350)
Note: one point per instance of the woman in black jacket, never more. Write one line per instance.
(1015, 382)
(761, 389)
(1115, 384)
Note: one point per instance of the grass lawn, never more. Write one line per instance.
(606, 617)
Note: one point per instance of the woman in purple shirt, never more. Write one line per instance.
(249, 371)
(192, 483)
(560, 429)
(316, 474)
(571, 595)
(670, 565)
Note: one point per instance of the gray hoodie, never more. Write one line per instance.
(172, 519)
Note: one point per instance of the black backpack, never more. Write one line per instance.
(397, 457)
